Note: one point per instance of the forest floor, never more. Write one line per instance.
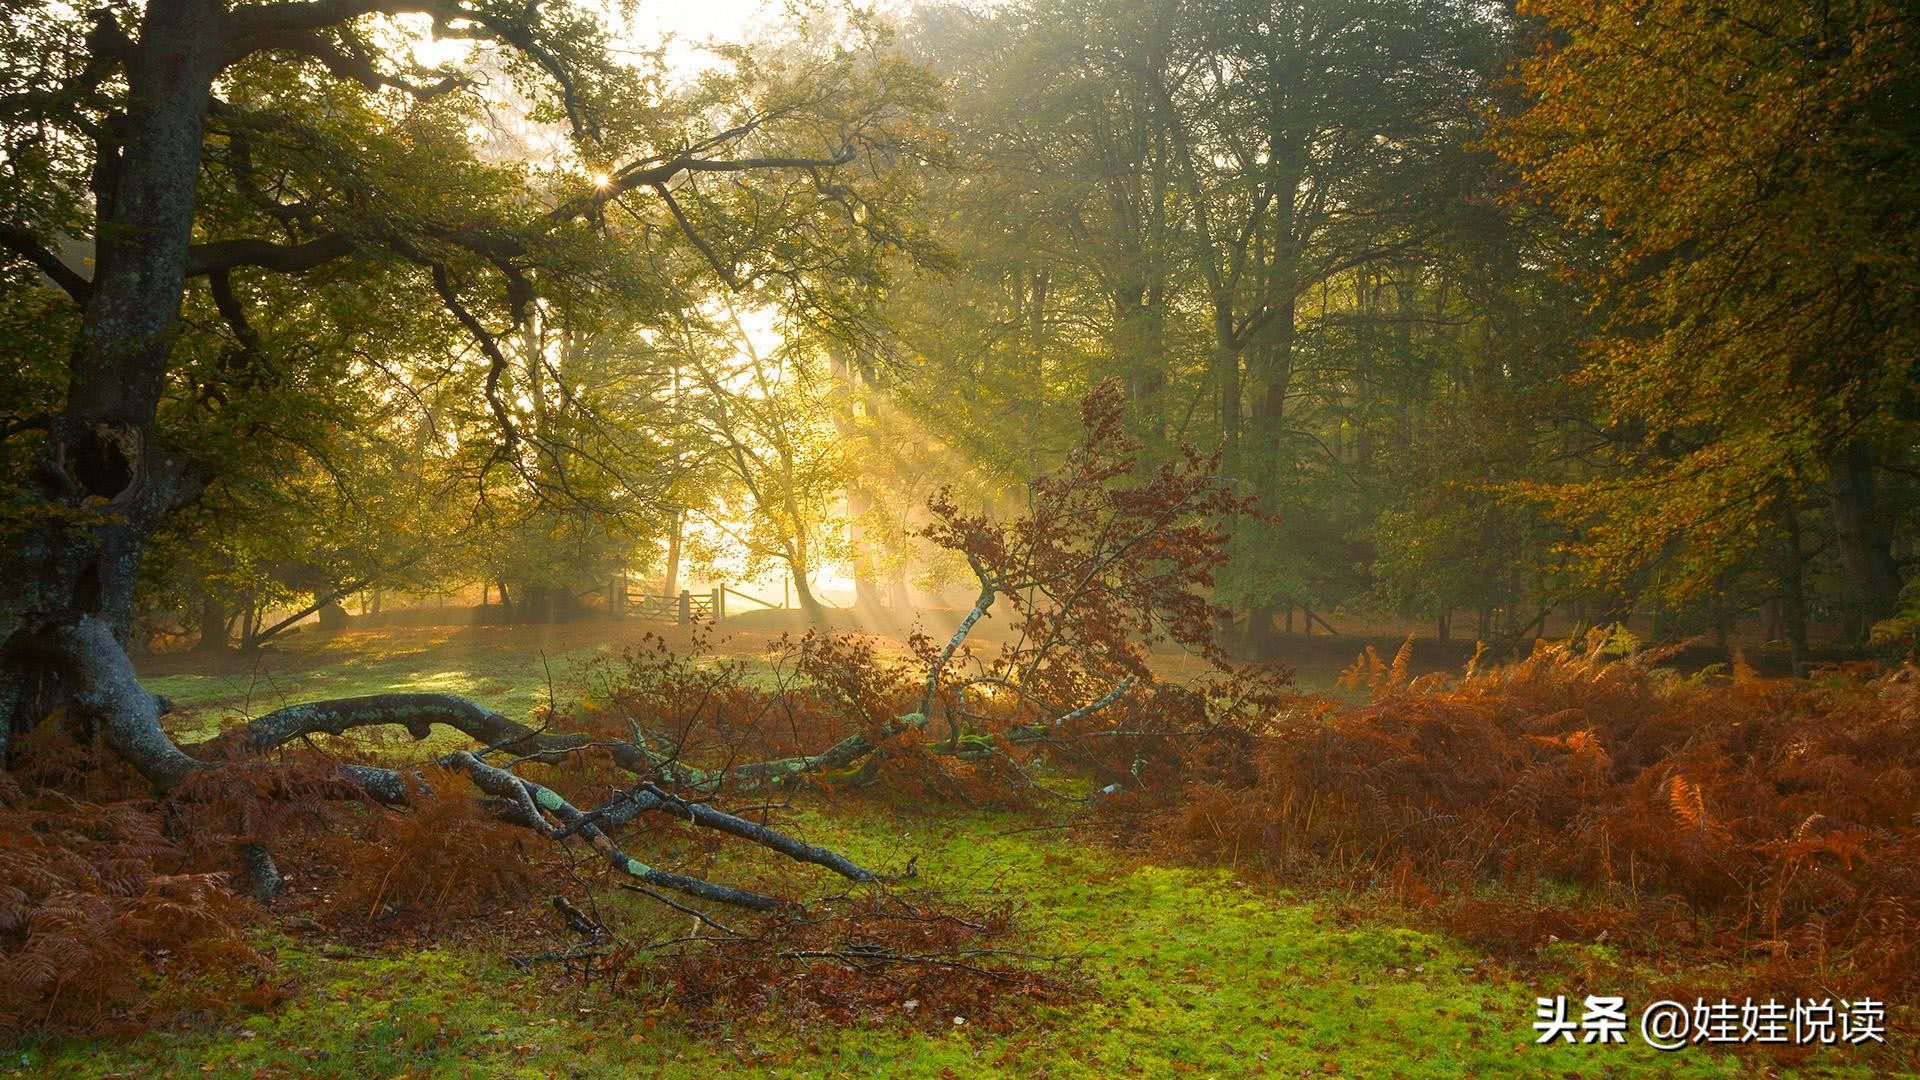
(513, 668)
(1174, 970)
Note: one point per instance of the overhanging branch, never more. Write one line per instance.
(21, 241)
(352, 66)
(203, 259)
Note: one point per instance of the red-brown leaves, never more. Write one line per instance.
(442, 857)
(95, 898)
(107, 894)
(1110, 560)
(1777, 816)
(871, 958)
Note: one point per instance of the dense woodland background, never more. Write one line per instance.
(1499, 316)
(1069, 364)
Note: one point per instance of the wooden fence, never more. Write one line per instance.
(688, 607)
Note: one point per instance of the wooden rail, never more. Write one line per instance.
(688, 607)
(725, 589)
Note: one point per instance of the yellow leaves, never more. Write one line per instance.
(1397, 675)
(1689, 805)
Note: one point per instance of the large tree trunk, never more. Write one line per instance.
(1863, 534)
(1793, 597)
(102, 480)
(1138, 339)
(213, 627)
(803, 594)
(1270, 369)
(868, 604)
(856, 402)
(80, 654)
(1226, 386)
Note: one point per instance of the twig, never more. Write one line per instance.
(682, 908)
(1044, 828)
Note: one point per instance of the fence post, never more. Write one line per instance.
(686, 607)
(713, 613)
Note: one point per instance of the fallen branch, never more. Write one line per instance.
(531, 802)
(537, 798)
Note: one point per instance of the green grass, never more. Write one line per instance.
(496, 667)
(508, 669)
(1187, 972)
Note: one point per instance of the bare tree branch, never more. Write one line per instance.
(24, 243)
(203, 259)
(220, 283)
(686, 227)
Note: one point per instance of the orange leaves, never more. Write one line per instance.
(94, 896)
(442, 857)
(1578, 742)
(1819, 835)
(1381, 677)
(1725, 813)
(1689, 805)
(1397, 674)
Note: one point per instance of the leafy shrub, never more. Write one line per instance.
(1771, 817)
(96, 899)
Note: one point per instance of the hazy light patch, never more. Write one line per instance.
(684, 30)
(429, 51)
(456, 682)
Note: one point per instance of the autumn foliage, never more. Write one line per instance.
(96, 898)
(1582, 793)
(1757, 292)
(108, 893)
(910, 959)
(107, 883)
(1747, 818)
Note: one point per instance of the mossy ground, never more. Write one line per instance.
(509, 669)
(1184, 971)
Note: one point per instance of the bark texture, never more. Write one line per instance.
(102, 481)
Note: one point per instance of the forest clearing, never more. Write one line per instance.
(959, 537)
(1215, 967)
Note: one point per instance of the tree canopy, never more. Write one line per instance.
(1070, 363)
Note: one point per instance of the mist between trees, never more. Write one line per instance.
(1078, 327)
(1498, 338)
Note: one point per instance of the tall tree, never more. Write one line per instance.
(115, 135)
(1753, 167)
(764, 413)
(1310, 138)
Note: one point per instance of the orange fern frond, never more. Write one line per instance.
(1397, 675)
(1689, 805)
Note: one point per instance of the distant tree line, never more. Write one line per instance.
(1585, 308)
(1492, 313)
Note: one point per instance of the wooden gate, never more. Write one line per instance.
(686, 608)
